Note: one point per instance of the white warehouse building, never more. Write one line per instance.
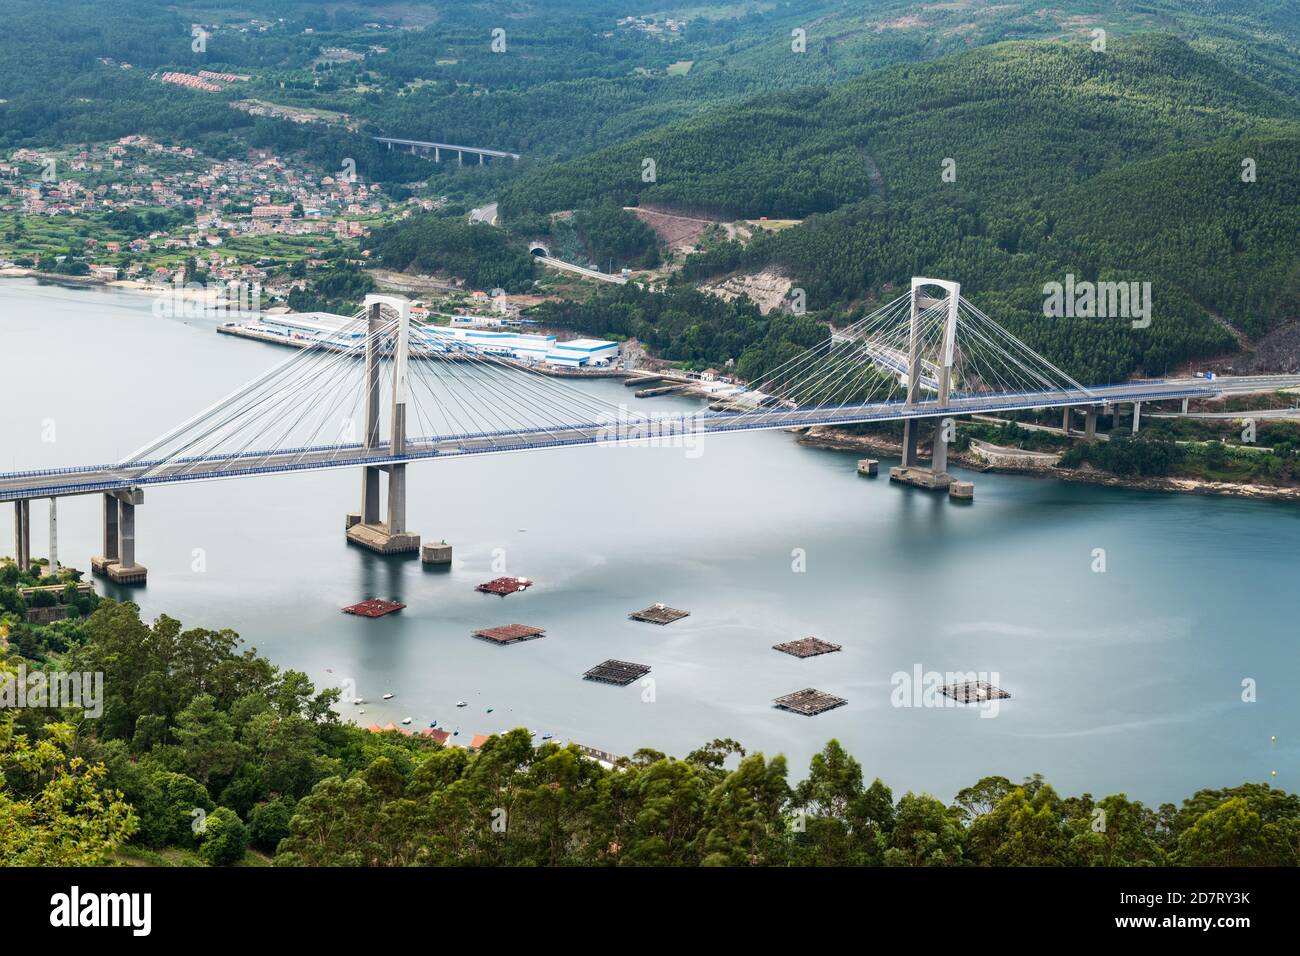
(526, 347)
(583, 353)
(305, 327)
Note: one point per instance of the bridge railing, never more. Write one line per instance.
(822, 415)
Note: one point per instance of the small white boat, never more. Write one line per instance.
(406, 720)
(461, 703)
(547, 736)
(388, 697)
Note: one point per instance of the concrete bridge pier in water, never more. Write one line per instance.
(117, 562)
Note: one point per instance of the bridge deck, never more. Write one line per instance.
(98, 478)
(421, 144)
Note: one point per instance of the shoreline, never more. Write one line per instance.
(121, 285)
(837, 440)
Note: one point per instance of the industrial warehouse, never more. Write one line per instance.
(338, 332)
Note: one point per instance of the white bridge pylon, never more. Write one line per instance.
(919, 305)
(929, 355)
(920, 349)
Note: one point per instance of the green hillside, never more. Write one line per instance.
(1124, 165)
(1210, 244)
(1258, 37)
(1018, 119)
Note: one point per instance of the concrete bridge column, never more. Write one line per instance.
(1137, 416)
(911, 430)
(480, 159)
(109, 555)
(370, 495)
(1065, 419)
(437, 155)
(117, 562)
(1185, 401)
(939, 456)
(54, 535)
(126, 534)
(397, 501)
(1090, 423)
(23, 534)
(460, 158)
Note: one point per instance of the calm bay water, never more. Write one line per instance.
(1124, 681)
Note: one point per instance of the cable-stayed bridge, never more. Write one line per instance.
(384, 392)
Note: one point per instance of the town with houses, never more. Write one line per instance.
(252, 229)
(203, 209)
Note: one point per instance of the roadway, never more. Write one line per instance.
(581, 270)
(635, 430)
(1276, 413)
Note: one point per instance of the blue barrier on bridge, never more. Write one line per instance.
(790, 419)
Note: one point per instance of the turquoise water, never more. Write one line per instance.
(1128, 680)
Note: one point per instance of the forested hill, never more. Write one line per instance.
(1125, 165)
(1213, 247)
(575, 75)
(1019, 119)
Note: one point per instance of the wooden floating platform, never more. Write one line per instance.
(809, 702)
(504, 586)
(974, 692)
(375, 607)
(621, 673)
(659, 614)
(510, 633)
(806, 647)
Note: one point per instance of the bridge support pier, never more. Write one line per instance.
(939, 450)
(1090, 423)
(911, 433)
(1065, 419)
(366, 527)
(1137, 416)
(117, 563)
(23, 534)
(1185, 401)
(54, 536)
(911, 471)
